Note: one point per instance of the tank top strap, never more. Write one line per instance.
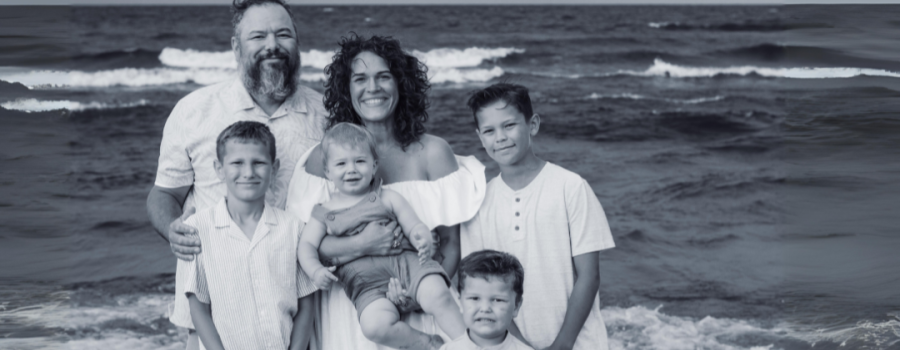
(320, 213)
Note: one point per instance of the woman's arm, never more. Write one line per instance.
(376, 238)
(416, 230)
(303, 323)
(201, 315)
(442, 162)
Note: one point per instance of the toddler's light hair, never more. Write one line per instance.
(348, 134)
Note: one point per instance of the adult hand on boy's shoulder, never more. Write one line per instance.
(183, 239)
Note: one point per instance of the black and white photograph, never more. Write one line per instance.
(532, 174)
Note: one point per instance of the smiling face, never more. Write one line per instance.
(489, 305)
(246, 169)
(373, 88)
(265, 46)
(350, 168)
(504, 132)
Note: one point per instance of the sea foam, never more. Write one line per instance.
(641, 328)
(35, 105)
(662, 68)
(631, 96)
(190, 58)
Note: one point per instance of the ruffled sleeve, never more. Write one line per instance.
(306, 190)
(450, 200)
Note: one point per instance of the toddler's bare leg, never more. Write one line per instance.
(380, 323)
(435, 299)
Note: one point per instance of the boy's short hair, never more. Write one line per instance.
(514, 95)
(348, 134)
(244, 132)
(488, 263)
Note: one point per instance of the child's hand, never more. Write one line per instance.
(424, 245)
(323, 277)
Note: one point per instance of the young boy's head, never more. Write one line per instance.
(246, 160)
(504, 121)
(350, 157)
(490, 289)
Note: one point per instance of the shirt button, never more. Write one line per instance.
(517, 213)
(517, 228)
(331, 217)
(517, 200)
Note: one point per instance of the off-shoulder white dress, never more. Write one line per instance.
(450, 200)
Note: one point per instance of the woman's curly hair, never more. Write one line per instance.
(409, 73)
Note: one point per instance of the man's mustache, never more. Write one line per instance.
(268, 54)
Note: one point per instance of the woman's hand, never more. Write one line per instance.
(381, 237)
(323, 277)
(397, 295)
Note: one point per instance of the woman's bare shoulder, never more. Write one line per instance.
(315, 164)
(439, 155)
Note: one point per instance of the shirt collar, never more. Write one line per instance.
(472, 345)
(238, 98)
(223, 218)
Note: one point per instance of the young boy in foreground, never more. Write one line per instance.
(248, 269)
(490, 291)
(546, 216)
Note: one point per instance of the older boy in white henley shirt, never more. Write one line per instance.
(547, 217)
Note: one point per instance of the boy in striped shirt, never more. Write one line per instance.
(248, 271)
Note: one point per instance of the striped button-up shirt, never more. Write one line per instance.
(251, 285)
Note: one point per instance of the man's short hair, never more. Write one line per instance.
(488, 264)
(514, 95)
(238, 7)
(348, 134)
(245, 132)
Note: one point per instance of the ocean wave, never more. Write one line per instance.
(124, 322)
(456, 58)
(438, 76)
(118, 77)
(435, 58)
(144, 77)
(132, 77)
(638, 327)
(35, 105)
(865, 334)
(190, 58)
(631, 96)
(726, 27)
(661, 68)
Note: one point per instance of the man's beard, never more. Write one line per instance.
(276, 81)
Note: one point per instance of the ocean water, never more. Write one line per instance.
(746, 157)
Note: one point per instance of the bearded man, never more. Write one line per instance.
(265, 44)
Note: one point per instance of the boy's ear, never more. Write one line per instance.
(515, 312)
(218, 166)
(535, 124)
(275, 166)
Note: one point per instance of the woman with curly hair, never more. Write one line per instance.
(374, 83)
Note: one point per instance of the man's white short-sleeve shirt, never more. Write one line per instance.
(554, 218)
(188, 150)
(251, 285)
(188, 146)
